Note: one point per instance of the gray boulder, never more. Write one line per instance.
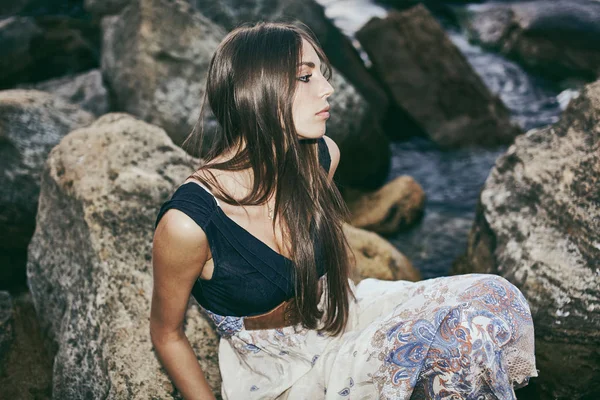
(538, 225)
(158, 74)
(87, 90)
(89, 262)
(558, 38)
(31, 123)
(430, 79)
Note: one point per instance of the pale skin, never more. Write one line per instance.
(181, 254)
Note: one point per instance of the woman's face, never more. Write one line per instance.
(312, 91)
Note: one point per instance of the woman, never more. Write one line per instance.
(262, 197)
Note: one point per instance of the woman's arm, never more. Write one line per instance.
(179, 253)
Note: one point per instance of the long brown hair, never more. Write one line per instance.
(250, 88)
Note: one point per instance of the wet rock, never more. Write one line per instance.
(31, 123)
(397, 205)
(89, 262)
(85, 90)
(375, 257)
(558, 38)
(538, 225)
(430, 79)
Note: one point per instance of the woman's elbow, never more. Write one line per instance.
(160, 336)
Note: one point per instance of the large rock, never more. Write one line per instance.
(397, 205)
(159, 74)
(155, 57)
(538, 225)
(559, 38)
(375, 257)
(87, 90)
(89, 262)
(34, 49)
(31, 123)
(431, 79)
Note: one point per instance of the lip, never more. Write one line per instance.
(324, 110)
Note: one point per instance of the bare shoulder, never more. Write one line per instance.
(334, 153)
(179, 245)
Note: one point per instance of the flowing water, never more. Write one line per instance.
(453, 179)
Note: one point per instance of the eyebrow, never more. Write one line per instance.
(307, 63)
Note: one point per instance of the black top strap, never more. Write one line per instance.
(198, 204)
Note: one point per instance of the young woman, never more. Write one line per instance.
(255, 235)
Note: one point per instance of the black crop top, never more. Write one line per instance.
(249, 277)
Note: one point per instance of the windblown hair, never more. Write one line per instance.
(250, 87)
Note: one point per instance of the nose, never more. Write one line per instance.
(328, 89)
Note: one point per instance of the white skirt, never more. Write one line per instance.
(467, 335)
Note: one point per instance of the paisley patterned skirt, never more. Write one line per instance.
(458, 337)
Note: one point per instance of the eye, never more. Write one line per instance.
(307, 77)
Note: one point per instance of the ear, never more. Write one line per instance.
(334, 154)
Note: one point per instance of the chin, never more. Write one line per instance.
(316, 134)
(303, 136)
